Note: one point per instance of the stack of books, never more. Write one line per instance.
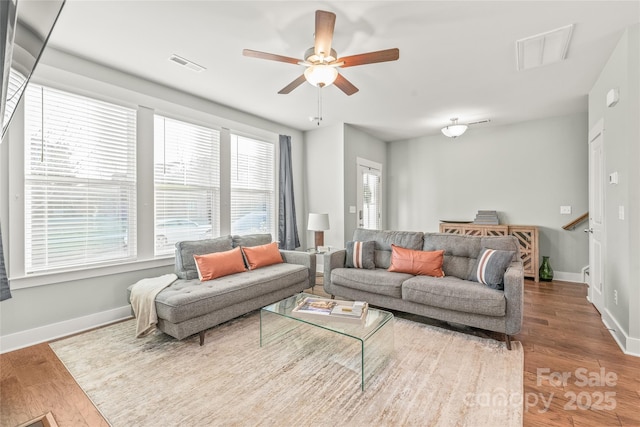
(355, 311)
(487, 218)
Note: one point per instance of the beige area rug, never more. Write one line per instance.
(436, 377)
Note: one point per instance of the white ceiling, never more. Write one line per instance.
(457, 59)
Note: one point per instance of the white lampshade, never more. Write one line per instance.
(321, 75)
(454, 130)
(318, 222)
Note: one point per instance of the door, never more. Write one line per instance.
(369, 195)
(596, 216)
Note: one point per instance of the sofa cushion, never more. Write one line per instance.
(251, 240)
(426, 263)
(360, 255)
(262, 255)
(454, 294)
(377, 281)
(460, 252)
(185, 264)
(384, 239)
(490, 267)
(219, 264)
(186, 299)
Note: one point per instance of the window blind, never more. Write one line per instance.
(371, 218)
(252, 186)
(187, 183)
(80, 180)
(16, 80)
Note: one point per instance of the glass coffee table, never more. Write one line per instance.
(374, 336)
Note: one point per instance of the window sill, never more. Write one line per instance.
(50, 278)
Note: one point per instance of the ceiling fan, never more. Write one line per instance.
(322, 61)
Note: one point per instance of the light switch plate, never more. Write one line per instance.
(565, 210)
(352, 209)
(620, 212)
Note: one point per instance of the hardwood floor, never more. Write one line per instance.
(562, 336)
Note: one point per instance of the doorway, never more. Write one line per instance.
(369, 194)
(596, 216)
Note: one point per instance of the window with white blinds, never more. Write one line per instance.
(371, 204)
(252, 186)
(187, 183)
(80, 181)
(16, 80)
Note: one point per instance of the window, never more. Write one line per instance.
(252, 186)
(369, 194)
(187, 183)
(80, 180)
(16, 81)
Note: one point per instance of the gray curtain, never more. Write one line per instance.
(5, 292)
(287, 227)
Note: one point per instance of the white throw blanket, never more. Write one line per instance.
(143, 302)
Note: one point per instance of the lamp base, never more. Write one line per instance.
(319, 239)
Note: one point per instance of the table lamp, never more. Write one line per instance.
(318, 223)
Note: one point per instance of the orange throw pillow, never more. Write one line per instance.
(263, 255)
(218, 264)
(425, 263)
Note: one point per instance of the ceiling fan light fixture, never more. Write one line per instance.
(310, 56)
(321, 75)
(454, 130)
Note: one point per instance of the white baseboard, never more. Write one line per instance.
(628, 345)
(568, 277)
(46, 333)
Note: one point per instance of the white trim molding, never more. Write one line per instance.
(565, 276)
(54, 331)
(627, 344)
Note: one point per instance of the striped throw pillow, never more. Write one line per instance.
(490, 267)
(361, 255)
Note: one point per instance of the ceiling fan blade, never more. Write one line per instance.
(291, 86)
(269, 56)
(325, 23)
(345, 85)
(370, 58)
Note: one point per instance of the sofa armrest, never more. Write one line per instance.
(514, 294)
(301, 258)
(332, 260)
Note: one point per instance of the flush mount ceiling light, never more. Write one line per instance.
(543, 49)
(454, 130)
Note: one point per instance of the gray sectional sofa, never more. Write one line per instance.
(189, 306)
(452, 298)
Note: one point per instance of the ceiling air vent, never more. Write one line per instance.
(543, 49)
(186, 63)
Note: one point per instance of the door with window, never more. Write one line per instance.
(369, 195)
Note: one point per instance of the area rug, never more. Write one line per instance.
(435, 377)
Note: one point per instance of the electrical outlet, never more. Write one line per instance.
(615, 296)
(565, 210)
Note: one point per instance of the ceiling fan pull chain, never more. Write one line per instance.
(319, 116)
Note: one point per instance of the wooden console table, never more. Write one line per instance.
(527, 236)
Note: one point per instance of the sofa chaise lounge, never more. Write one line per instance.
(189, 306)
(452, 298)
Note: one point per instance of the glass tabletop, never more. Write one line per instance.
(374, 320)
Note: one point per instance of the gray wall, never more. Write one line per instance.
(525, 171)
(360, 144)
(331, 153)
(622, 154)
(65, 300)
(324, 157)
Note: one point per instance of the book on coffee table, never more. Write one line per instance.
(351, 311)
